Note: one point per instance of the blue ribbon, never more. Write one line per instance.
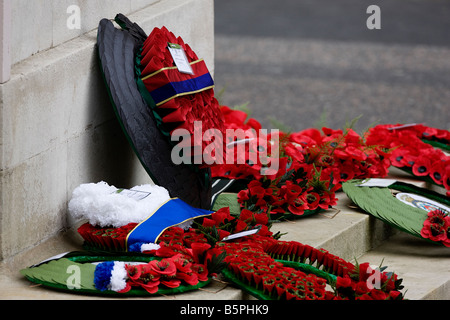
(173, 212)
(174, 89)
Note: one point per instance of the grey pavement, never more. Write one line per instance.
(313, 63)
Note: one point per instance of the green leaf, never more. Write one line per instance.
(62, 273)
(216, 264)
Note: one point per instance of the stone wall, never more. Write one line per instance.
(42, 24)
(57, 127)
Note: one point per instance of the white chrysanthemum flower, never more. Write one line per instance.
(118, 277)
(149, 247)
(104, 206)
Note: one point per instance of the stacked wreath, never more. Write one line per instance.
(417, 149)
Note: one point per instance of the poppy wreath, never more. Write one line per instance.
(265, 267)
(209, 229)
(177, 99)
(288, 270)
(436, 227)
(180, 271)
(125, 275)
(312, 166)
(418, 211)
(414, 150)
(260, 264)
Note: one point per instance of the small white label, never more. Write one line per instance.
(59, 256)
(409, 125)
(242, 234)
(134, 194)
(238, 142)
(180, 59)
(374, 182)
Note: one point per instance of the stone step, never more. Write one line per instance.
(424, 267)
(356, 236)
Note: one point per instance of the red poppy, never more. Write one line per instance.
(321, 255)
(243, 196)
(446, 242)
(437, 172)
(395, 295)
(165, 250)
(295, 152)
(171, 282)
(332, 132)
(151, 286)
(398, 158)
(147, 279)
(223, 233)
(201, 271)
(246, 216)
(281, 163)
(182, 264)
(327, 200)
(237, 119)
(198, 250)
(133, 271)
(356, 153)
(303, 139)
(361, 288)
(299, 205)
(434, 133)
(365, 297)
(207, 222)
(261, 218)
(433, 232)
(365, 271)
(256, 189)
(192, 237)
(222, 215)
(268, 283)
(437, 217)
(344, 282)
(246, 272)
(280, 288)
(164, 267)
(435, 226)
(188, 277)
(240, 226)
(352, 137)
(446, 177)
(378, 294)
(265, 232)
(389, 282)
(291, 191)
(313, 200)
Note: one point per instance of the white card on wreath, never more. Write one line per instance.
(375, 182)
(180, 59)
